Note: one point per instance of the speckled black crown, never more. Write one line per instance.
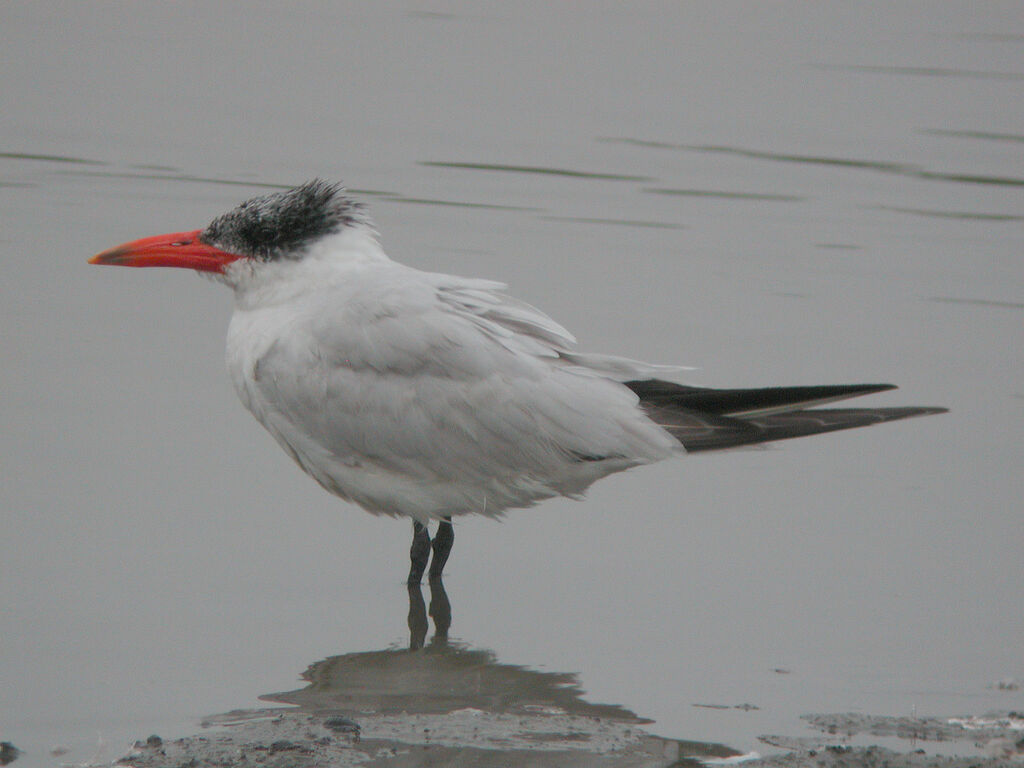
(282, 224)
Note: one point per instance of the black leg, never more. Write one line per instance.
(419, 552)
(443, 540)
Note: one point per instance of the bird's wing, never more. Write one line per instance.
(513, 323)
(432, 379)
(525, 328)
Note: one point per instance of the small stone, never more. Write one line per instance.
(8, 752)
(284, 745)
(342, 724)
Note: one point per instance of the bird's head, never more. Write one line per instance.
(274, 228)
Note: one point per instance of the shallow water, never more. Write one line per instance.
(783, 194)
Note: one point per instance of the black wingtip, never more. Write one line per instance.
(931, 410)
(699, 432)
(848, 390)
(709, 419)
(726, 402)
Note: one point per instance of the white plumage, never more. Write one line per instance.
(427, 395)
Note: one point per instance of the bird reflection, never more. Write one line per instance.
(439, 677)
(440, 612)
(457, 703)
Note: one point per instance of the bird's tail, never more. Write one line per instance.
(712, 419)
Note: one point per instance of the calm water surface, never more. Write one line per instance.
(777, 194)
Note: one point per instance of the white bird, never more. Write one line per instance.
(428, 395)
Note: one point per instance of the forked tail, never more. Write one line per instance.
(712, 419)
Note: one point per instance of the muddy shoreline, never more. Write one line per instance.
(280, 738)
(441, 702)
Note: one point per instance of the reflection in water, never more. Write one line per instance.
(437, 702)
(440, 612)
(439, 677)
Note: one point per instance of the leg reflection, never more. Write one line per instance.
(440, 612)
(417, 617)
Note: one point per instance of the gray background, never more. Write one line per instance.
(783, 193)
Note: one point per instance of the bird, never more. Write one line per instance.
(430, 396)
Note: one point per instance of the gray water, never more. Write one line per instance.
(781, 193)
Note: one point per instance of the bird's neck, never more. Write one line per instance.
(326, 262)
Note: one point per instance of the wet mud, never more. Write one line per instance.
(443, 703)
(551, 737)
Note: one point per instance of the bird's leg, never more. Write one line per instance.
(443, 540)
(419, 552)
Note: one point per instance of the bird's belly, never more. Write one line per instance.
(384, 490)
(424, 442)
(418, 491)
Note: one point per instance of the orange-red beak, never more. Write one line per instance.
(178, 249)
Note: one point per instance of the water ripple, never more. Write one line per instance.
(973, 74)
(49, 158)
(968, 215)
(534, 169)
(615, 222)
(724, 194)
(456, 203)
(181, 177)
(900, 169)
(974, 135)
(977, 302)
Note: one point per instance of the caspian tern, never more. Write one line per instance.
(431, 396)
